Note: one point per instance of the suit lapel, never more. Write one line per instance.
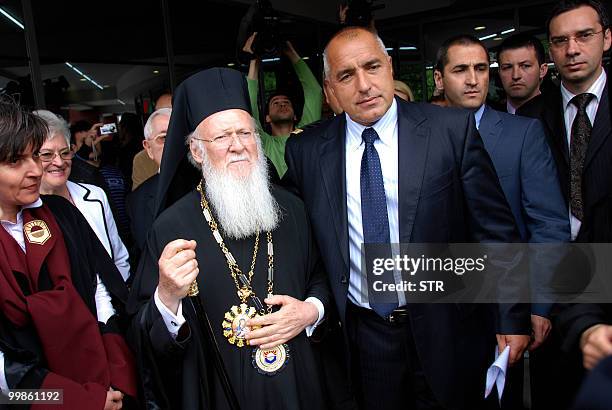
(601, 127)
(553, 117)
(413, 141)
(333, 171)
(490, 129)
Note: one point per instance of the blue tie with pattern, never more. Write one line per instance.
(375, 220)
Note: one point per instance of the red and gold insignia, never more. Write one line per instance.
(37, 232)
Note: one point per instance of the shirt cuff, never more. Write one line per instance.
(321, 309)
(104, 304)
(173, 322)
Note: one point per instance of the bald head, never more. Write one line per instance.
(350, 34)
(359, 75)
(164, 101)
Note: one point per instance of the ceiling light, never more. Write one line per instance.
(120, 102)
(487, 37)
(497, 39)
(155, 71)
(79, 72)
(230, 64)
(13, 19)
(82, 79)
(408, 48)
(479, 28)
(510, 30)
(494, 65)
(269, 60)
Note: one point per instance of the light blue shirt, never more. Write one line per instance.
(478, 115)
(387, 149)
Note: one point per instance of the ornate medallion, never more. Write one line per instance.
(37, 232)
(270, 361)
(234, 324)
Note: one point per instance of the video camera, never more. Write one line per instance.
(359, 12)
(264, 20)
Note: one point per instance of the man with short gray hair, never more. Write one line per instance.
(389, 171)
(141, 202)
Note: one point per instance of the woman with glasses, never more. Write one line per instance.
(56, 158)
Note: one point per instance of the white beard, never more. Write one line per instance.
(242, 205)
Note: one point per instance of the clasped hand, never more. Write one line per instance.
(281, 326)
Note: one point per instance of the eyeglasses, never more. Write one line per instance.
(580, 38)
(226, 140)
(48, 156)
(160, 139)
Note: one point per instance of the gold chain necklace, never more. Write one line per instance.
(234, 323)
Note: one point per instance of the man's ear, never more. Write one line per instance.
(195, 151)
(147, 146)
(391, 65)
(438, 79)
(327, 88)
(607, 39)
(268, 119)
(543, 71)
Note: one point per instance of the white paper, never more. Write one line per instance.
(496, 374)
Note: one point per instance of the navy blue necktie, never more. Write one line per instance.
(375, 220)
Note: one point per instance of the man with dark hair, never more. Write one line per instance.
(61, 296)
(522, 67)
(280, 113)
(577, 121)
(523, 162)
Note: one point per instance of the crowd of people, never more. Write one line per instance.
(233, 273)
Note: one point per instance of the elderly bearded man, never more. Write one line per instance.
(243, 241)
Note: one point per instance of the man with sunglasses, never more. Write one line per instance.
(577, 121)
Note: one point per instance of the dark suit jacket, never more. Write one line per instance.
(141, 210)
(596, 194)
(597, 173)
(448, 192)
(528, 177)
(595, 393)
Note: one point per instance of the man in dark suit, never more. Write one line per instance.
(141, 202)
(391, 171)
(524, 165)
(577, 121)
(522, 67)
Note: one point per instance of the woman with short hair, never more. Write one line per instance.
(61, 296)
(56, 158)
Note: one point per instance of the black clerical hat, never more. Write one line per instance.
(196, 98)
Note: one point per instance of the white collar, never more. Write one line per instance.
(36, 204)
(382, 127)
(597, 89)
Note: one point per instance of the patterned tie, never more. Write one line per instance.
(579, 142)
(375, 221)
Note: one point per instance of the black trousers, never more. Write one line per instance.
(385, 367)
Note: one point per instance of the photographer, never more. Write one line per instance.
(280, 114)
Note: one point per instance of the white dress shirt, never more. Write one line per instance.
(569, 113)
(386, 146)
(104, 306)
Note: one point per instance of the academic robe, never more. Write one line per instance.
(24, 359)
(179, 374)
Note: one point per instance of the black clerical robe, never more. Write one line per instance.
(179, 373)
